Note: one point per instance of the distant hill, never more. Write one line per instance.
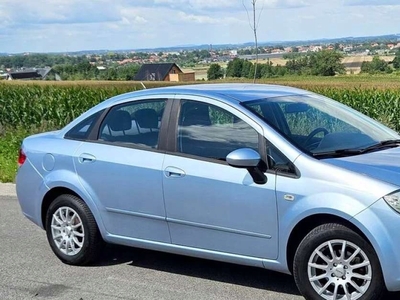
(381, 38)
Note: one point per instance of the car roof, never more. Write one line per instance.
(234, 92)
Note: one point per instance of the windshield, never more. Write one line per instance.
(318, 125)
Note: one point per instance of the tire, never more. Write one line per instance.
(319, 257)
(72, 231)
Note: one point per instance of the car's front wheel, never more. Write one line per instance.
(72, 231)
(333, 262)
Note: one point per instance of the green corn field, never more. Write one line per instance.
(47, 107)
(50, 107)
(31, 108)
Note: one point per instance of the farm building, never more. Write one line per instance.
(163, 72)
(33, 74)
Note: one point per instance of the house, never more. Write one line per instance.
(315, 48)
(23, 75)
(163, 72)
(3, 75)
(33, 74)
(125, 61)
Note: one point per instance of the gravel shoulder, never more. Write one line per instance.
(7, 189)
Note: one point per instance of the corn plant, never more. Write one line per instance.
(52, 106)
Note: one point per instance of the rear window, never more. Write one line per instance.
(83, 129)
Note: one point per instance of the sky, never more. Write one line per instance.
(75, 25)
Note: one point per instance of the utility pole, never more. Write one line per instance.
(254, 26)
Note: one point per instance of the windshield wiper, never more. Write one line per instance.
(356, 151)
(337, 153)
(382, 145)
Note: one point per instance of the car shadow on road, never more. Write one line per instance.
(206, 269)
(201, 268)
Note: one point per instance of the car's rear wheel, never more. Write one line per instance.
(72, 231)
(333, 262)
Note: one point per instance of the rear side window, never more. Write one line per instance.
(135, 123)
(83, 129)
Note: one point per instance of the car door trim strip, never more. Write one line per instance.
(135, 214)
(212, 227)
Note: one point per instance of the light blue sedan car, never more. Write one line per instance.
(260, 175)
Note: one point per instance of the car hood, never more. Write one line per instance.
(383, 165)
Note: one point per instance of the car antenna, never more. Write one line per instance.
(144, 87)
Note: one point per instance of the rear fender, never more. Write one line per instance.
(69, 180)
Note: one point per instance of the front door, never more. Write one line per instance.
(209, 204)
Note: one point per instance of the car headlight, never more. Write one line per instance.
(393, 200)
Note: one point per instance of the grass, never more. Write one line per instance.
(9, 145)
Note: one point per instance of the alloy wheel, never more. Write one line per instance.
(339, 269)
(67, 230)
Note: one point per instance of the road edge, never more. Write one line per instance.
(7, 189)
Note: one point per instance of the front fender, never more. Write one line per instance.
(292, 213)
(380, 225)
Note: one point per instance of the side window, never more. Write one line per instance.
(135, 123)
(208, 131)
(82, 130)
(279, 162)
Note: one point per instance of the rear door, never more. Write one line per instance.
(122, 170)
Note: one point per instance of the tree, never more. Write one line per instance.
(377, 65)
(247, 69)
(299, 65)
(234, 68)
(326, 63)
(322, 63)
(204, 54)
(396, 60)
(215, 72)
(268, 70)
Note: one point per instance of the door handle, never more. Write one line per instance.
(173, 172)
(86, 158)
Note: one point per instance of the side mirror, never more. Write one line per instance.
(249, 159)
(243, 158)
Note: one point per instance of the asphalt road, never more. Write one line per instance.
(29, 270)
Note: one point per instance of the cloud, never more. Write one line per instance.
(200, 5)
(16, 12)
(58, 11)
(131, 16)
(196, 18)
(204, 19)
(371, 2)
(70, 25)
(228, 5)
(285, 3)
